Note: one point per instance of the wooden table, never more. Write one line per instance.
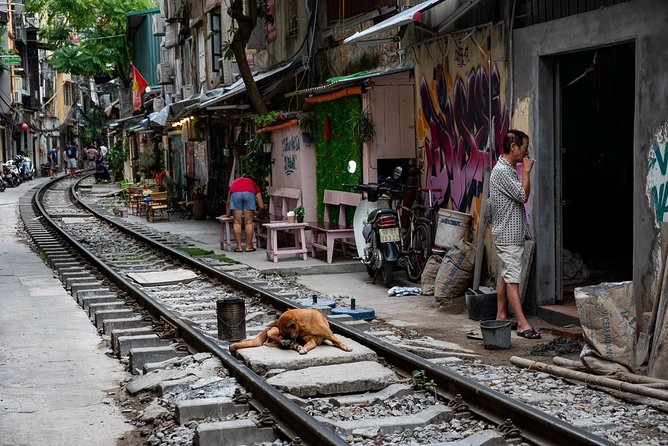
(299, 248)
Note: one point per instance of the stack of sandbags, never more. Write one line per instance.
(429, 273)
(456, 271)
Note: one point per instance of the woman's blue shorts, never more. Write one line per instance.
(242, 201)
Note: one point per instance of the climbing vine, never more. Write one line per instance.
(334, 152)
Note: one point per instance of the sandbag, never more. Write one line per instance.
(429, 275)
(608, 319)
(456, 271)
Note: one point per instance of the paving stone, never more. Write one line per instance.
(388, 425)
(232, 432)
(145, 355)
(484, 438)
(263, 358)
(358, 377)
(123, 323)
(125, 343)
(203, 408)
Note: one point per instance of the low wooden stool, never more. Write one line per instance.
(273, 251)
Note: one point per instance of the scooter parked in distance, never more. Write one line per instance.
(376, 226)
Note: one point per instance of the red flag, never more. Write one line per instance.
(139, 84)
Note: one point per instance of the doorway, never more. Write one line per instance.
(595, 167)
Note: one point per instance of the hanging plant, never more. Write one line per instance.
(361, 123)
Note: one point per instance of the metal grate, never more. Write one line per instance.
(532, 12)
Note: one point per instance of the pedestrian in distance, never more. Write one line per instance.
(91, 157)
(509, 225)
(71, 154)
(243, 199)
(53, 161)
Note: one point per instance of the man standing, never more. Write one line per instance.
(71, 153)
(91, 156)
(509, 225)
(53, 161)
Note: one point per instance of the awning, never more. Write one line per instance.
(403, 18)
(239, 87)
(175, 110)
(336, 83)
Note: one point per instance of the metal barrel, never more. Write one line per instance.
(231, 315)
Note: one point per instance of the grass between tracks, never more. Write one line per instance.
(204, 253)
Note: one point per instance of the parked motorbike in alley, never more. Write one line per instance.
(12, 177)
(376, 226)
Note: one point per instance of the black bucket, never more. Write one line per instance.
(231, 319)
(481, 306)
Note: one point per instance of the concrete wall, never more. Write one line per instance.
(643, 22)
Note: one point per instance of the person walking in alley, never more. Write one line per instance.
(243, 199)
(509, 225)
(91, 157)
(53, 161)
(71, 153)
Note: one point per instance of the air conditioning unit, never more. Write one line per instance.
(173, 9)
(187, 91)
(158, 104)
(17, 97)
(158, 25)
(165, 73)
(171, 35)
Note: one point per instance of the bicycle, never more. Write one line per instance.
(431, 212)
(416, 241)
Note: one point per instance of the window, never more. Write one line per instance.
(292, 17)
(216, 42)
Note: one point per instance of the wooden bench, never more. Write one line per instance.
(157, 203)
(330, 232)
(299, 247)
(281, 200)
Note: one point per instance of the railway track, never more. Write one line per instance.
(157, 307)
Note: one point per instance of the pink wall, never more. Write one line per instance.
(294, 166)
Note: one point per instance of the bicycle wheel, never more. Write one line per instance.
(421, 244)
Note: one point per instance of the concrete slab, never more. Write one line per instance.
(74, 220)
(238, 432)
(262, 359)
(129, 322)
(361, 376)
(115, 334)
(125, 343)
(163, 277)
(388, 425)
(484, 438)
(145, 355)
(391, 391)
(203, 408)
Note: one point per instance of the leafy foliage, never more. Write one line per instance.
(88, 35)
(362, 125)
(254, 163)
(4, 51)
(117, 155)
(95, 129)
(332, 156)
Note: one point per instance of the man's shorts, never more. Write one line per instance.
(242, 201)
(71, 163)
(511, 262)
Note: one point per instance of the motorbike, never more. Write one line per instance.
(25, 167)
(376, 227)
(12, 175)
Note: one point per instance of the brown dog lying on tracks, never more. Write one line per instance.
(294, 328)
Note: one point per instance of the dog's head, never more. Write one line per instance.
(292, 328)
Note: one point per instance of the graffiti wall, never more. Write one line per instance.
(657, 177)
(453, 122)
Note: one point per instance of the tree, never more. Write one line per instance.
(88, 36)
(240, 35)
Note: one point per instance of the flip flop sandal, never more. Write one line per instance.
(529, 334)
(238, 250)
(251, 250)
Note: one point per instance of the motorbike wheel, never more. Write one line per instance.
(2, 186)
(421, 251)
(388, 273)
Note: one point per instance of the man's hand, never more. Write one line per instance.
(528, 164)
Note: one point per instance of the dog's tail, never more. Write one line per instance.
(255, 342)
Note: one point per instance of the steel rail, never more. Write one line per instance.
(285, 410)
(535, 426)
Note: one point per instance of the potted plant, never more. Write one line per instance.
(307, 124)
(299, 214)
(362, 125)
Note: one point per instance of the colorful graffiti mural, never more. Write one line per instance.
(657, 178)
(453, 120)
